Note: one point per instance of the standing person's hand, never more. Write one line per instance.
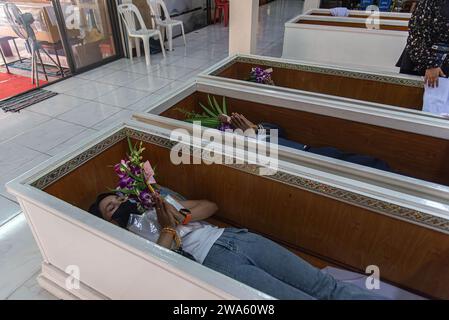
(432, 76)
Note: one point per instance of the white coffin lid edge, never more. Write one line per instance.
(293, 23)
(360, 13)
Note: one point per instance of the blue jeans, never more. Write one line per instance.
(266, 266)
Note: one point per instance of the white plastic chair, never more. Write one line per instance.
(129, 12)
(168, 23)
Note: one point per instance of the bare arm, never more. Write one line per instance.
(200, 209)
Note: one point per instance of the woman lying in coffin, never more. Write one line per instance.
(239, 121)
(177, 223)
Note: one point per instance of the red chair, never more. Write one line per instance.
(222, 9)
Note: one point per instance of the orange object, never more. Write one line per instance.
(187, 216)
(106, 50)
(149, 187)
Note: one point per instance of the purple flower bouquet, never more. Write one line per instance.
(136, 177)
(260, 75)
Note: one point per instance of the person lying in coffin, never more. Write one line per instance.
(178, 224)
(239, 121)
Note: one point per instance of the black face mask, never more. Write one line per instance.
(123, 212)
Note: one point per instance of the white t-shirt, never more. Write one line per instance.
(197, 237)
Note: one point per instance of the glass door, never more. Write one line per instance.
(90, 35)
(25, 25)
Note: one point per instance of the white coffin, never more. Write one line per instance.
(113, 263)
(387, 83)
(358, 47)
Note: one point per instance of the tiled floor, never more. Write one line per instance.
(20, 261)
(89, 102)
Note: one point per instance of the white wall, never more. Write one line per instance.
(243, 23)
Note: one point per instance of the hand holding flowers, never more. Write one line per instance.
(136, 178)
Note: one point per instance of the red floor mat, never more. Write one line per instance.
(12, 84)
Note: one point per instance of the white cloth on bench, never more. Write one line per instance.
(386, 290)
(340, 12)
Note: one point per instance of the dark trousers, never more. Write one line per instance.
(329, 151)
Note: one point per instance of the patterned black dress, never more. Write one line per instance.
(429, 25)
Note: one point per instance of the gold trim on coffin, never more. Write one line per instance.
(322, 70)
(395, 211)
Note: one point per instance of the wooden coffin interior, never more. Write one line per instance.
(336, 85)
(410, 154)
(358, 25)
(362, 16)
(322, 230)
